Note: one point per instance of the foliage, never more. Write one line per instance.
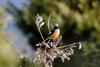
(79, 20)
(8, 57)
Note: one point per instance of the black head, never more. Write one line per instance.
(56, 26)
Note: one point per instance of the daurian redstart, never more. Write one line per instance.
(54, 33)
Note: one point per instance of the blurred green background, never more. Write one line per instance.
(79, 20)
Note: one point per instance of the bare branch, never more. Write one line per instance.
(49, 23)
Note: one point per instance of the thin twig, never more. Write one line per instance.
(41, 34)
(49, 23)
(69, 45)
(39, 19)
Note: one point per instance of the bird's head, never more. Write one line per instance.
(56, 26)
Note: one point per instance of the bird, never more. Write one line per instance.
(51, 38)
(55, 33)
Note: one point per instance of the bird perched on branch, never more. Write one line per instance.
(52, 37)
(55, 33)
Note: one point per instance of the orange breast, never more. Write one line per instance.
(55, 34)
